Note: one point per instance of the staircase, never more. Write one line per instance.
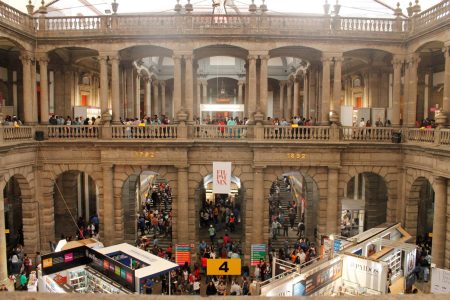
(283, 198)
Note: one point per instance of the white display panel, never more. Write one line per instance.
(347, 115)
(222, 107)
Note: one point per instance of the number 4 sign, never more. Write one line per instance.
(223, 266)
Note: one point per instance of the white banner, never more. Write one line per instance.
(440, 281)
(221, 177)
(366, 273)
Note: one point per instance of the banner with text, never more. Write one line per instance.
(221, 177)
(258, 253)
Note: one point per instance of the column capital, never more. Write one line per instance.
(252, 57)
(439, 179)
(26, 56)
(42, 57)
(334, 168)
(182, 166)
(114, 58)
(106, 165)
(264, 57)
(188, 57)
(103, 58)
(413, 59)
(397, 60)
(326, 59)
(283, 83)
(155, 82)
(241, 82)
(446, 51)
(338, 59)
(177, 57)
(162, 82)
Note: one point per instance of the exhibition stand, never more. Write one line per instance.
(119, 269)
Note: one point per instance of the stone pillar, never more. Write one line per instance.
(337, 86)
(104, 93)
(176, 85)
(312, 110)
(251, 86)
(163, 97)
(295, 111)
(43, 71)
(263, 83)
(411, 102)
(240, 91)
(189, 87)
(397, 64)
(27, 95)
(325, 109)
(34, 91)
(3, 254)
(439, 222)
(447, 237)
(446, 98)
(205, 91)
(148, 98)
(129, 92)
(155, 102)
(115, 89)
(258, 206)
(108, 205)
(282, 85)
(332, 202)
(182, 215)
(305, 102)
(137, 99)
(199, 98)
(288, 111)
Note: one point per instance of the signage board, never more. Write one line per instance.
(318, 280)
(410, 262)
(230, 266)
(366, 273)
(258, 253)
(221, 177)
(182, 254)
(440, 281)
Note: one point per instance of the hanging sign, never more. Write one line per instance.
(221, 177)
(258, 253)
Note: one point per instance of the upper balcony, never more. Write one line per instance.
(257, 134)
(233, 25)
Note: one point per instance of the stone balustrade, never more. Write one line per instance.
(176, 24)
(301, 134)
(220, 132)
(367, 134)
(145, 132)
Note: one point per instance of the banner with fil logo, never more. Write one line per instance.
(221, 177)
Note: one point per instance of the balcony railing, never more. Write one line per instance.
(303, 133)
(145, 132)
(63, 132)
(284, 134)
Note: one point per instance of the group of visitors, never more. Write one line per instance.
(12, 121)
(20, 266)
(423, 259)
(89, 229)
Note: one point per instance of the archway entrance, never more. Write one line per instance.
(147, 202)
(420, 209)
(364, 205)
(13, 214)
(224, 214)
(75, 203)
(293, 199)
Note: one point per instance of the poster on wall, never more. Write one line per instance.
(258, 253)
(440, 281)
(410, 262)
(366, 273)
(221, 177)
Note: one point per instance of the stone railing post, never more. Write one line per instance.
(41, 22)
(437, 136)
(182, 128)
(259, 132)
(105, 132)
(335, 133)
(405, 134)
(1, 134)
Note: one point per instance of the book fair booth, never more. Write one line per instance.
(367, 264)
(118, 269)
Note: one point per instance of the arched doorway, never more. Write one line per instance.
(293, 199)
(223, 212)
(365, 204)
(420, 209)
(75, 203)
(12, 196)
(147, 208)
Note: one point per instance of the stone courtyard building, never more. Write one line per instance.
(181, 64)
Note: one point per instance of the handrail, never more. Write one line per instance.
(68, 132)
(289, 133)
(15, 17)
(434, 13)
(144, 132)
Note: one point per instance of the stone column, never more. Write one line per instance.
(3, 254)
(447, 237)
(199, 98)
(205, 91)
(258, 206)
(115, 89)
(332, 202)
(305, 102)
(337, 86)
(27, 95)
(176, 84)
(325, 109)
(129, 92)
(251, 86)
(148, 98)
(43, 71)
(34, 91)
(104, 93)
(240, 91)
(108, 205)
(439, 222)
(312, 94)
(295, 111)
(396, 90)
(446, 98)
(289, 112)
(137, 99)
(163, 97)
(155, 102)
(411, 103)
(182, 215)
(189, 87)
(282, 85)
(263, 83)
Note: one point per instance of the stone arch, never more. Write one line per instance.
(422, 43)
(297, 51)
(30, 207)
(139, 51)
(19, 43)
(319, 178)
(121, 174)
(221, 49)
(48, 175)
(390, 177)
